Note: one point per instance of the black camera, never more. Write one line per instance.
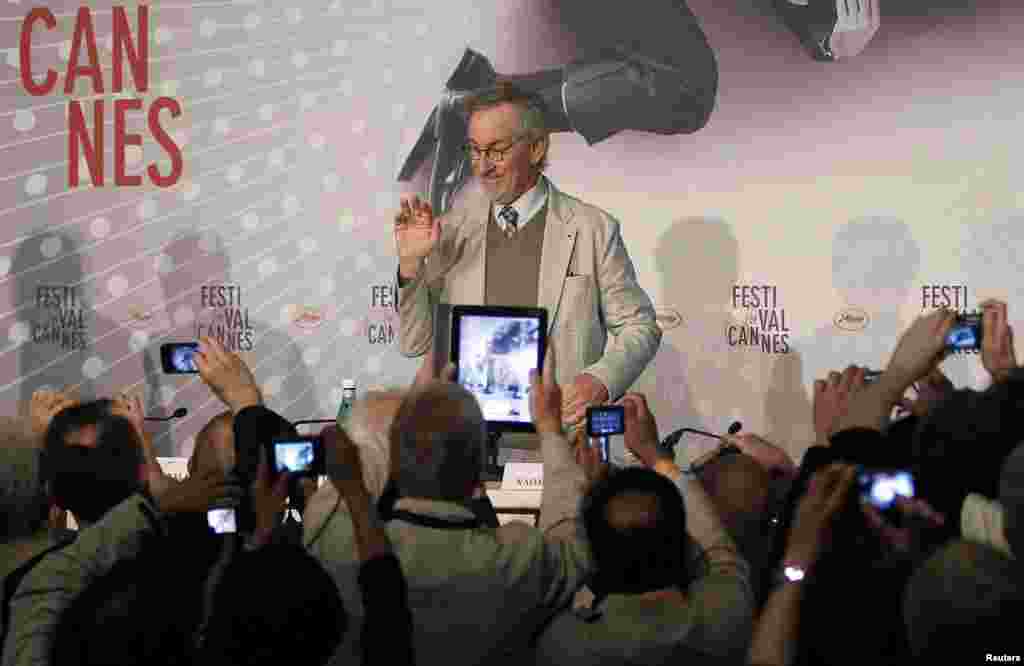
(302, 456)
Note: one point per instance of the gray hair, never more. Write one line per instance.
(532, 109)
(372, 437)
(444, 419)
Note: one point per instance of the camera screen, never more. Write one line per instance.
(882, 488)
(181, 358)
(222, 521)
(495, 356)
(606, 422)
(962, 336)
(293, 456)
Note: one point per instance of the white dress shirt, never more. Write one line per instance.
(527, 205)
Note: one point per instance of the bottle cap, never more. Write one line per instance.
(348, 384)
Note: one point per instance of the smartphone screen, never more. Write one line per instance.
(965, 334)
(222, 521)
(881, 488)
(177, 357)
(606, 420)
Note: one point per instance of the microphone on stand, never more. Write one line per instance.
(178, 413)
(669, 443)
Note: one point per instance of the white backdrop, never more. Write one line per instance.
(845, 187)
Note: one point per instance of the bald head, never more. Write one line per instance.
(636, 524)
(438, 440)
(215, 446)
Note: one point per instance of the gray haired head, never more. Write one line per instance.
(439, 437)
(532, 109)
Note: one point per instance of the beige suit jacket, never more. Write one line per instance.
(600, 321)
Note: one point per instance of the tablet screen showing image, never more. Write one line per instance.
(494, 350)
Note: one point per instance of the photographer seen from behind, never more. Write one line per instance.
(490, 588)
(669, 581)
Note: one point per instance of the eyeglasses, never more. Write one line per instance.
(493, 155)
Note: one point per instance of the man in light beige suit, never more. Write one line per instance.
(525, 243)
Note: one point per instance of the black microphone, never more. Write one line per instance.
(670, 442)
(178, 413)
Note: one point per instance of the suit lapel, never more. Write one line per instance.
(559, 241)
(474, 281)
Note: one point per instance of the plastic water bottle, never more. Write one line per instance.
(348, 398)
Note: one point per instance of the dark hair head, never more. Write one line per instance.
(90, 480)
(968, 436)
(853, 584)
(145, 610)
(271, 605)
(966, 599)
(532, 109)
(643, 552)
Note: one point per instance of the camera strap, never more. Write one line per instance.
(387, 512)
(436, 523)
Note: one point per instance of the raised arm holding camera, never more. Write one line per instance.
(997, 352)
(660, 551)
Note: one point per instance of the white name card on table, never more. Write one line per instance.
(523, 476)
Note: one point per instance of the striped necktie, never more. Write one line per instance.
(510, 217)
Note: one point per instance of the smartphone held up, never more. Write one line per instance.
(881, 488)
(603, 422)
(966, 333)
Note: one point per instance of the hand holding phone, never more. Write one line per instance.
(966, 333)
(604, 421)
